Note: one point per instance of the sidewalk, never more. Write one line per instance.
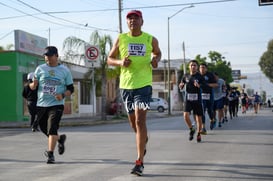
(69, 121)
(88, 120)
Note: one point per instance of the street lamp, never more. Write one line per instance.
(184, 59)
(169, 86)
(165, 78)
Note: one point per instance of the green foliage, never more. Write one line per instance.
(74, 50)
(113, 73)
(8, 47)
(266, 61)
(217, 64)
(200, 59)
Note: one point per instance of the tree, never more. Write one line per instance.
(8, 47)
(266, 61)
(200, 59)
(220, 65)
(217, 64)
(75, 47)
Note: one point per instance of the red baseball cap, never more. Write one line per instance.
(136, 12)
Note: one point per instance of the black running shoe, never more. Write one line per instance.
(211, 126)
(138, 168)
(61, 141)
(35, 129)
(192, 131)
(50, 157)
(145, 149)
(198, 138)
(219, 125)
(214, 124)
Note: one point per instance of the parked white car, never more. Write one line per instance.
(158, 104)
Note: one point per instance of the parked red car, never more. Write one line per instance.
(113, 108)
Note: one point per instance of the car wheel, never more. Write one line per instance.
(160, 109)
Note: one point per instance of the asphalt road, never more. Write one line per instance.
(241, 150)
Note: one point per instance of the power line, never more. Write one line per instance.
(30, 14)
(1, 38)
(183, 4)
(78, 24)
(237, 17)
(116, 9)
(145, 7)
(84, 26)
(42, 19)
(229, 44)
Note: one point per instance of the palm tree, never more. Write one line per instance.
(75, 47)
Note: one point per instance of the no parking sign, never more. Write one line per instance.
(92, 56)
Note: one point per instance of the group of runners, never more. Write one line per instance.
(136, 53)
(207, 93)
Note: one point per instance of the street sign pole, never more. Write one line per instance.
(93, 88)
(92, 56)
(92, 61)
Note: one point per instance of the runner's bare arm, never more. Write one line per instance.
(156, 53)
(113, 57)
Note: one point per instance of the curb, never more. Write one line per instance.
(83, 121)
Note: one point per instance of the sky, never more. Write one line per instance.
(240, 29)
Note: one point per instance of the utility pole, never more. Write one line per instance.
(119, 14)
(48, 36)
(118, 97)
(184, 72)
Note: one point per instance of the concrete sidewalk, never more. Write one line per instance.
(88, 120)
(69, 121)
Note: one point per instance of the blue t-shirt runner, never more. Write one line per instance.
(52, 81)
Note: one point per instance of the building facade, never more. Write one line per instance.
(15, 65)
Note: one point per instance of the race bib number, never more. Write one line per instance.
(206, 96)
(192, 97)
(51, 90)
(136, 49)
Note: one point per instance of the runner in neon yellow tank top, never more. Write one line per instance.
(139, 52)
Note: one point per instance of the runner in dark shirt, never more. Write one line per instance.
(207, 96)
(232, 98)
(193, 82)
(31, 97)
(244, 99)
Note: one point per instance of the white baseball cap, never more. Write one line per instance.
(30, 76)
